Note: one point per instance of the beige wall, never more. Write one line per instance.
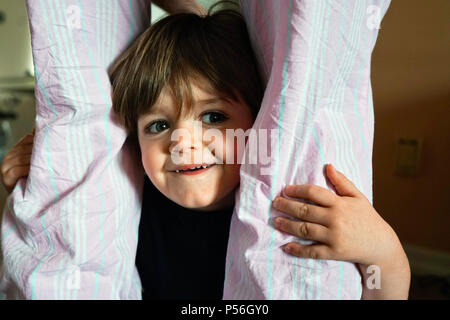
(15, 45)
(411, 90)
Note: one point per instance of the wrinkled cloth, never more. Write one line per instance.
(70, 230)
(315, 59)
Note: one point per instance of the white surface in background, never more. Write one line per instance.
(157, 13)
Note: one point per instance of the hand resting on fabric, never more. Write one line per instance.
(348, 228)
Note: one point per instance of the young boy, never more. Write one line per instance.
(185, 70)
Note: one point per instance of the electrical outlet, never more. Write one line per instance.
(408, 156)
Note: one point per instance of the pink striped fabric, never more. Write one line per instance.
(70, 230)
(315, 56)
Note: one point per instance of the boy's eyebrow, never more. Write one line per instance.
(211, 100)
(158, 108)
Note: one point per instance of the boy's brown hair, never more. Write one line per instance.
(212, 50)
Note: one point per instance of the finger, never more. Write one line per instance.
(21, 139)
(29, 138)
(12, 161)
(14, 174)
(312, 251)
(17, 152)
(318, 195)
(300, 210)
(303, 230)
(26, 139)
(342, 184)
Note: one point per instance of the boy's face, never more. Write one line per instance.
(163, 152)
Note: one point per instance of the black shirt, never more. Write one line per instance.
(181, 252)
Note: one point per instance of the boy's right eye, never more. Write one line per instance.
(156, 127)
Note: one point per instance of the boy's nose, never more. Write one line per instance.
(185, 151)
(183, 144)
(186, 139)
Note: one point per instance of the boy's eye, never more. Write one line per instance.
(156, 126)
(214, 117)
(161, 125)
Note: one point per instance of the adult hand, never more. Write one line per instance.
(16, 163)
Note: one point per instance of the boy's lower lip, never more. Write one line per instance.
(195, 172)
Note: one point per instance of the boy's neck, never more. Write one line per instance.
(226, 202)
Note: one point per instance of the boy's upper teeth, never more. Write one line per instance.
(192, 168)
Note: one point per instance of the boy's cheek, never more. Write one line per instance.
(150, 161)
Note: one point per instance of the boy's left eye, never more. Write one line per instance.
(214, 117)
(156, 127)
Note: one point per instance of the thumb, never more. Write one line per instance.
(343, 185)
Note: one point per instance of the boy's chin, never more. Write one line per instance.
(223, 203)
(208, 206)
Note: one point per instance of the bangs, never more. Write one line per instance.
(212, 52)
(181, 76)
(180, 88)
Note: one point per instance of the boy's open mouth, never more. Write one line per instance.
(195, 170)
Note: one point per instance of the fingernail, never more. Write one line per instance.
(275, 203)
(277, 223)
(283, 190)
(286, 248)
